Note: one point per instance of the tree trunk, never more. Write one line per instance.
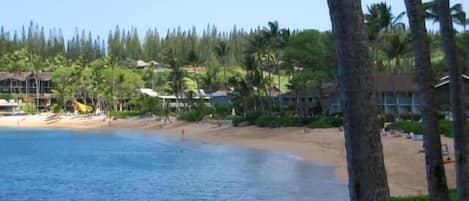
(366, 170)
(297, 102)
(38, 87)
(436, 178)
(279, 89)
(224, 72)
(461, 138)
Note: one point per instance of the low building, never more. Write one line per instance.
(173, 101)
(220, 97)
(9, 107)
(25, 83)
(442, 91)
(395, 94)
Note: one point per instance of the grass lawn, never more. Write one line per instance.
(452, 195)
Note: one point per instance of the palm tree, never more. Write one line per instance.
(436, 178)
(461, 138)
(456, 11)
(258, 53)
(366, 170)
(278, 39)
(222, 51)
(194, 60)
(379, 19)
(396, 48)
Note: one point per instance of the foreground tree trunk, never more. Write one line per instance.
(457, 102)
(366, 170)
(436, 178)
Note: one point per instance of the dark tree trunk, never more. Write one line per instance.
(366, 170)
(436, 178)
(457, 102)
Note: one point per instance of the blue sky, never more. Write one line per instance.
(100, 16)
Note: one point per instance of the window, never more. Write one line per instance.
(390, 98)
(405, 98)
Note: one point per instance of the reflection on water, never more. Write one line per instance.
(63, 165)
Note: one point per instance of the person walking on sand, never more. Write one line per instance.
(182, 133)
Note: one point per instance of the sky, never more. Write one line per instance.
(101, 16)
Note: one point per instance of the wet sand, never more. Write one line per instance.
(405, 165)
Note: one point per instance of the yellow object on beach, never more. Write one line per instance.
(82, 107)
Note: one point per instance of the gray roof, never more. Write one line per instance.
(45, 76)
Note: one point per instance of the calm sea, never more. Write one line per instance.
(59, 165)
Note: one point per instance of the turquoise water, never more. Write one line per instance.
(58, 165)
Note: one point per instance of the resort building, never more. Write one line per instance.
(9, 107)
(23, 85)
(442, 91)
(395, 94)
(173, 101)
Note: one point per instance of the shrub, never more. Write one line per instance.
(6, 96)
(410, 117)
(389, 117)
(272, 121)
(326, 122)
(408, 126)
(124, 114)
(268, 121)
(29, 108)
(441, 116)
(192, 116)
(222, 112)
(295, 121)
(452, 195)
(381, 122)
(237, 120)
(446, 128)
(252, 117)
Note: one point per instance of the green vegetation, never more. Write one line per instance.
(452, 194)
(408, 126)
(326, 122)
(446, 127)
(289, 121)
(29, 108)
(124, 114)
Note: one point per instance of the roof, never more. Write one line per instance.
(395, 82)
(149, 92)
(44, 76)
(142, 64)
(313, 91)
(445, 80)
(5, 103)
(15, 76)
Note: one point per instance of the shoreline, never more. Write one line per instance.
(325, 147)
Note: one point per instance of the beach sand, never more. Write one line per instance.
(404, 164)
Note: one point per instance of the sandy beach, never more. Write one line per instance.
(405, 165)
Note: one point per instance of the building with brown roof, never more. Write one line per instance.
(24, 83)
(395, 94)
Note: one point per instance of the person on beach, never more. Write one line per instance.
(182, 133)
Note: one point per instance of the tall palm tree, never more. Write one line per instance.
(461, 138)
(436, 178)
(379, 19)
(194, 60)
(366, 170)
(277, 39)
(222, 50)
(457, 13)
(396, 48)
